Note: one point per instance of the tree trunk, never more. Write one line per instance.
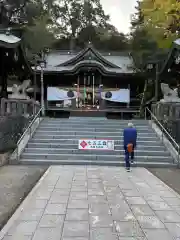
(72, 43)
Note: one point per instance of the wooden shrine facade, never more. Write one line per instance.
(89, 73)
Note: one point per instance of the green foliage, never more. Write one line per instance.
(154, 27)
(162, 20)
(83, 21)
(75, 15)
(37, 37)
(141, 42)
(75, 22)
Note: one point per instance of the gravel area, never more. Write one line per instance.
(15, 183)
(169, 176)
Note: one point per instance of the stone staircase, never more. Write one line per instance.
(56, 142)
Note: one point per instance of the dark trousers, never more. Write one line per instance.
(127, 155)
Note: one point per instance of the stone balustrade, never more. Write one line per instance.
(19, 107)
(15, 116)
(168, 114)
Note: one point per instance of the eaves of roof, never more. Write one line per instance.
(88, 63)
(9, 40)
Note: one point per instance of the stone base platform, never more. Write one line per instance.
(94, 203)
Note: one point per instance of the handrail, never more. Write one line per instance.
(16, 151)
(29, 126)
(166, 132)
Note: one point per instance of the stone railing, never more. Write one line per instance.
(169, 116)
(16, 115)
(19, 107)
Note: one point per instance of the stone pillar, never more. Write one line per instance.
(73, 106)
(102, 104)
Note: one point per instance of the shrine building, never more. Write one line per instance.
(90, 80)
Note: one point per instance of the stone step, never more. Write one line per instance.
(56, 142)
(84, 117)
(92, 119)
(138, 152)
(146, 141)
(75, 132)
(63, 145)
(155, 164)
(92, 129)
(91, 136)
(91, 124)
(73, 157)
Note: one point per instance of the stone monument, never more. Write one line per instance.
(167, 110)
(16, 94)
(169, 95)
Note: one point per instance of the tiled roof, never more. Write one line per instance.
(86, 63)
(64, 61)
(58, 57)
(9, 40)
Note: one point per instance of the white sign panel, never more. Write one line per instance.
(95, 144)
(121, 95)
(57, 94)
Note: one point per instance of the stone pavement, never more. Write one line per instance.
(96, 203)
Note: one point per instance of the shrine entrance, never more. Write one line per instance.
(88, 89)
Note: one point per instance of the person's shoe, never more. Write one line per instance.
(128, 169)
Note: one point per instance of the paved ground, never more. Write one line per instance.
(15, 184)
(89, 203)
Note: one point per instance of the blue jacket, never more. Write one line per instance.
(130, 136)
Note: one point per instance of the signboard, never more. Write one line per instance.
(96, 144)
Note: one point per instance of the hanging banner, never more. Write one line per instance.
(58, 94)
(121, 95)
(95, 144)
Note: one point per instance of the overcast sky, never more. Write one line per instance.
(120, 12)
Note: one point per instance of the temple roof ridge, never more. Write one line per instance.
(89, 53)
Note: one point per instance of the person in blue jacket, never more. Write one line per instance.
(130, 137)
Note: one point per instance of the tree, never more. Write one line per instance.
(70, 21)
(74, 16)
(23, 11)
(11, 12)
(162, 20)
(142, 44)
(37, 36)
